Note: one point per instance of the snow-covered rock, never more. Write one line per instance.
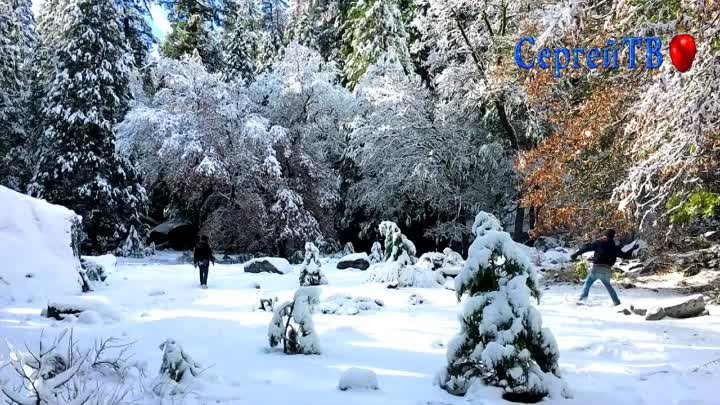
(358, 379)
(349, 305)
(687, 308)
(275, 265)
(431, 260)
(101, 306)
(107, 262)
(354, 261)
(36, 240)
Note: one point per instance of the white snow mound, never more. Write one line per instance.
(108, 262)
(279, 263)
(358, 379)
(35, 247)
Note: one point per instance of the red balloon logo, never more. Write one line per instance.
(682, 52)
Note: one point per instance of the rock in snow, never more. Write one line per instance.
(655, 314)
(354, 261)
(275, 265)
(689, 308)
(358, 379)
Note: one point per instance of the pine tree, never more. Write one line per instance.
(371, 28)
(501, 340)
(311, 272)
(243, 32)
(87, 95)
(137, 31)
(193, 23)
(17, 40)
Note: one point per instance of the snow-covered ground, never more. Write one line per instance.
(606, 357)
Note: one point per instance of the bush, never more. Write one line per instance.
(292, 324)
(582, 268)
(311, 271)
(501, 340)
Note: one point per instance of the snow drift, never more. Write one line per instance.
(36, 248)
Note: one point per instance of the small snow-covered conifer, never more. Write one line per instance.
(376, 253)
(292, 324)
(311, 271)
(501, 340)
(395, 242)
(133, 246)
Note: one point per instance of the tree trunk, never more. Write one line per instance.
(519, 222)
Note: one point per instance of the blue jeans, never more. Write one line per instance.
(601, 273)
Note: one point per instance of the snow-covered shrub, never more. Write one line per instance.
(150, 250)
(431, 260)
(133, 246)
(395, 242)
(452, 258)
(501, 340)
(376, 253)
(358, 379)
(93, 271)
(311, 271)
(348, 249)
(348, 305)
(292, 324)
(57, 373)
(402, 273)
(176, 370)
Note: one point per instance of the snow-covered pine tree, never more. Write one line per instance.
(269, 50)
(293, 223)
(137, 31)
(501, 340)
(311, 272)
(88, 94)
(241, 41)
(17, 40)
(371, 28)
(396, 244)
(133, 246)
(292, 324)
(301, 29)
(376, 253)
(193, 23)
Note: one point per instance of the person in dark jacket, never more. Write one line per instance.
(606, 252)
(202, 257)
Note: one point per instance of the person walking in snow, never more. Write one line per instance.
(605, 254)
(202, 257)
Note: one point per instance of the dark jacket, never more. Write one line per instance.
(203, 252)
(605, 251)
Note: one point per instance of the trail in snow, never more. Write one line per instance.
(606, 357)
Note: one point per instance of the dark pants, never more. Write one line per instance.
(204, 268)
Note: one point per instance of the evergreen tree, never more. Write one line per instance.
(87, 95)
(501, 341)
(371, 28)
(137, 31)
(17, 40)
(243, 32)
(193, 23)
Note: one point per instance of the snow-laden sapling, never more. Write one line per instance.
(292, 324)
(59, 374)
(133, 246)
(376, 253)
(311, 272)
(395, 242)
(501, 340)
(348, 249)
(178, 369)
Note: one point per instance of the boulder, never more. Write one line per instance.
(690, 308)
(638, 311)
(358, 379)
(178, 234)
(544, 243)
(297, 257)
(431, 260)
(625, 312)
(227, 259)
(354, 261)
(267, 265)
(655, 314)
